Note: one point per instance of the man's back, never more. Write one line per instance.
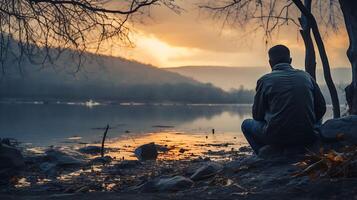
(290, 102)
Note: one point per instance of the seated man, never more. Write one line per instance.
(287, 105)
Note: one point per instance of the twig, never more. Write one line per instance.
(103, 140)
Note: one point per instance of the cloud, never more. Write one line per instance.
(190, 30)
(167, 40)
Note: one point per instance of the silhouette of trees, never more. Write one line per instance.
(143, 93)
(44, 29)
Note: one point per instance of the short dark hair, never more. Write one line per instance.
(279, 54)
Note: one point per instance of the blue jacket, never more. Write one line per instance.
(290, 102)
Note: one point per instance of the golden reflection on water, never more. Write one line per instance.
(180, 145)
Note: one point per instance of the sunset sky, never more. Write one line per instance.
(194, 38)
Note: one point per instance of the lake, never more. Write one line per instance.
(41, 124)
(48, 124)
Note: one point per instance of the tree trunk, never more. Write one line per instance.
(349, 10)
(310, 56)
(323, 56)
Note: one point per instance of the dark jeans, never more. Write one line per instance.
(254, 133)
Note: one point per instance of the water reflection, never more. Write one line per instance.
(47, 124)
(180, 146)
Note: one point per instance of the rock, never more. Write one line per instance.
(352, 169)
(101, 160)
(48, 168)
(207, 171)
(162, 148)
(126, 164)
(347, 126)
(11, 162)
(245, 149)
(200, 159)
(176, 183)
(33, 160)
(146, 152)
(91, 150)
(268, 152)
(5, 141)
(206, 159)
(216, 153)
(271, 152)
(244, 163)
(173, 184)
(298, 182)
(62, 159)
(10, 157)
(182, 150)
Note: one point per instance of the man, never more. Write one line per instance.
(287, 105)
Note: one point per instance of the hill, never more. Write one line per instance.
(108, 78)
(235, 77)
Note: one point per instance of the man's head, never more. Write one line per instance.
(279, 54)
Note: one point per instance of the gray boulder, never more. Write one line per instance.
(206, 171)
(345, 125)
(146, 152)
(172, 184)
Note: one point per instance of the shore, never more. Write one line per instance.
(218, 171)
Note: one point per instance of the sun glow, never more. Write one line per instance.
(151, 50)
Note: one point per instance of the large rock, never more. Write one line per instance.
(10, 157)
(206, 171)
(347, 126)
(172, 184)
(146, 152)
(11, 162)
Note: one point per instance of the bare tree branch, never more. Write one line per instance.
(270, 15)
(39, 31)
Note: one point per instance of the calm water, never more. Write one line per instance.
(49, 124)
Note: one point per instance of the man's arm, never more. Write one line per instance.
(319, 102)
(259, 107)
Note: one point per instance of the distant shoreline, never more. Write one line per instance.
(91, 103)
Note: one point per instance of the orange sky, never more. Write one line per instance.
(193, 38)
